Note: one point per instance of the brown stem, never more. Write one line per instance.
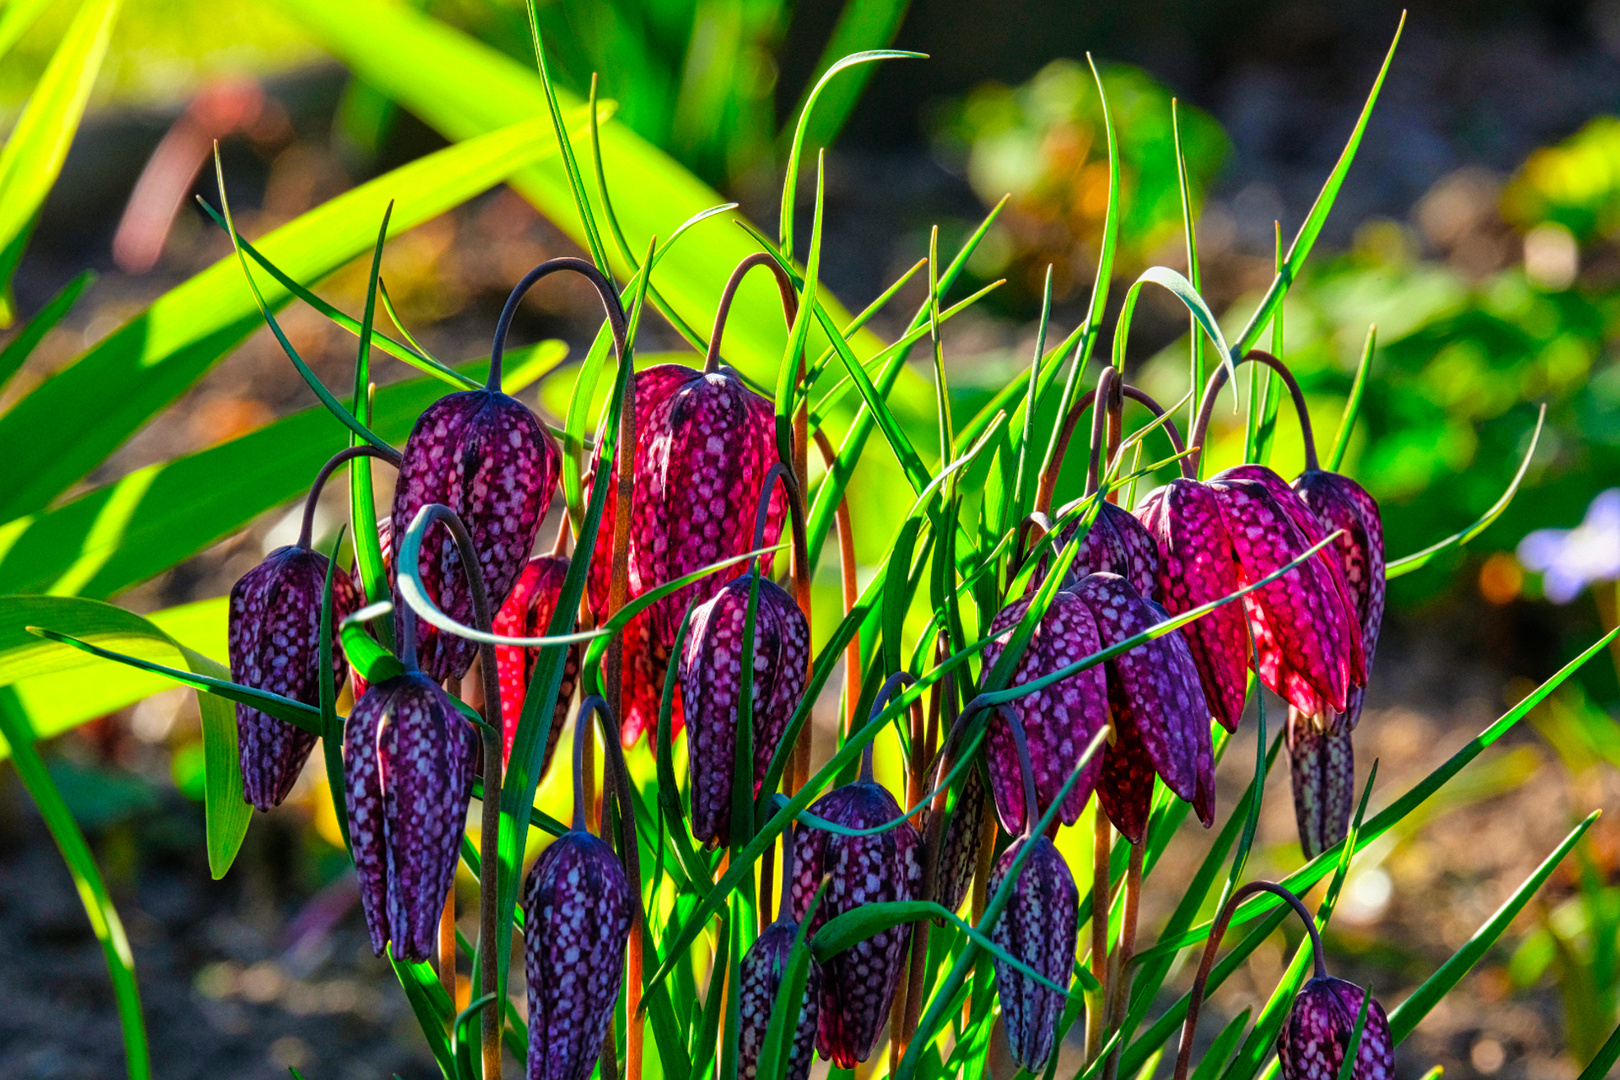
(1196, 999)
(490, 827)
(852, 591)
(604, 288)
(1043, 497)
(447, 945)
(1127, 949)
(1100, 854)
(1217, 379)
(784, 285)
(307, 527)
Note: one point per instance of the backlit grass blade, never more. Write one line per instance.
(1601, 1065)
(1189, 232)
(1408, 1014)
(1221, 1049)
(32, 157)
(790, 182)
(19, 348)
(1420, 559)
(109, 929)
(863, 25)
(331, 724)
(430, 1005)
(1312, 226)
(1352, 405)
(1182, 290)
(368, 557)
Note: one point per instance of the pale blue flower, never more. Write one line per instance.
(1571, 559)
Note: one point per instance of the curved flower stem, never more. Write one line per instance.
(490, 827)
(604, 288)
(1043, 497)
(1026, 769)
(1217, 931)
(307, 526)
(784, 285)
(1217, 379)
(852, 589)
(1096, 1003)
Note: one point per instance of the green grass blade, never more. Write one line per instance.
(431, 1007)
(19, 348)
(1189, 232)
(1420, 559)
(71, 422)
(1352, 405)
(33, 155)
(98, 905)
(790, 182)
(863, 26)
(331, 724)
(15, 19)
(1221, 1049)
(1300, 249)
(1601, 1065)
(1408, 1014)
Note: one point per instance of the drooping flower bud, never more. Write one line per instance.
(1197, 566)
(1306, 633)
(1323, 768)
(704, 443)
(408, 756)
(487, 457)
(577, 903)
(274, 642)
(1060, 720)
(959, 846)
(1040, 926)
(527, 613)
(711, 685)
(1343, 506)
(762, 971)
(1161, 720)
(859, 983)
(1313, 1041)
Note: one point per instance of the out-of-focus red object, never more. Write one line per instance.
(218, 110)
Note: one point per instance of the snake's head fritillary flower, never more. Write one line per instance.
(1343, 506)
(1161, 719)
(859, 983)
(1313, 1041)
(959, 845)
(1306, 632)
(483, 454)
(761, 978)
(1198, 565)
(1040, 926)
(577, 901)
(274, 641)
(1116, 543)
(1323, 766)
(1059, 720)
(711, 674)
(408, 756)
(527, 613)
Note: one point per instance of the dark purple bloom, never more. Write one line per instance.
(711, 684)
(1323, 765)
(1059, 721)
(761, 978)
(274, 643)
(1197, 566)
(1313, 1041)
(859, 983)
(704, 443)
(577, 902)
(1161, 720)
(1343, 506)
(527, 613)
(1116, 543)
(408, 757)
(1040, 926)
(959, 846)
(485, 456)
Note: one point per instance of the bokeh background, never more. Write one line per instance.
(1479, 229)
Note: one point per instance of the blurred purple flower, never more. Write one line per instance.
(1571, 559)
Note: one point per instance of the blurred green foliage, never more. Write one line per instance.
(1044, 144)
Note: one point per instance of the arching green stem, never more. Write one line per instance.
(1190, 464)
(610, 302)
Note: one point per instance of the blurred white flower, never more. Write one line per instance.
(1571, 559)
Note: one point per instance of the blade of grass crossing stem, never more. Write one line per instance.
(1182, 290)
(22, 345)
(672, 820)
(1347, 1067)
(1352, 405)
(787, 373)
(1420, 559)
(98, 906)
(582, 200)
(1406, 1016)
(789, 1002)
(528, 741)
(331, 723)
(1189, 232)
(1312, 226)
(790, 181)
(33, 155)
